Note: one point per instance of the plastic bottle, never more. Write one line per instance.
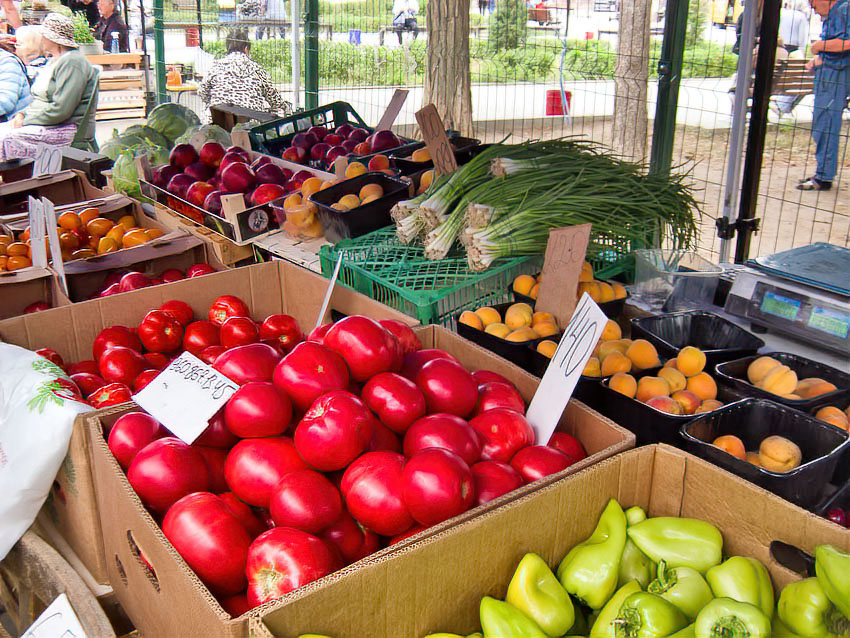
(114, 45)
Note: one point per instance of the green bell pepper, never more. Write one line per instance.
(805, 609)
(680, 542)
(727, 618)
(603, 626)
(589, 571)
(832, 568)
(645, 615)
(682, 586)
(502, 620)
(635, 515)
(743, 579)
(535, 591)
(634, 564)
(687, 632)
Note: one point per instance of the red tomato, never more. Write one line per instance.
(305, 500)
(180, 310)
(87, 366)
(87, 383)
(351, 539)
(160, 332)
(310, 371)
(536, 461)
(210, 354)
(334, 431)
(156, 360)
(215, 458)
(225, 307)
(503, 433)
(236, 605)
(568, 444)
(217, 434)
(485, 376)
(258, 409)
(238, 331)
(283, 559)
(318, 334)
(253, 362)
(448, 387)
(172, 274)
(413, 362)
(255, 466)
(166, 470)
(51, 355)
(372, 490)
(199, 269)
(413, 531)
(252, 523)
(121, 365)
(367, 347)
(199, 335)
(210, 539)
(115, 336)
(495, 394)
(283, 330)
(436, 485)
(492, 479)
(383, 438)
(36, 306)
(144, 378)
(445, 431)
(396, 400)
(401, 331)
(110, 394)
(130, 433)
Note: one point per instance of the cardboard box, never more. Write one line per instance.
(437, 584)
(20, 288)
(151, 596)
(266, 288)
(64, 187)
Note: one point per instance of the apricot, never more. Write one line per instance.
(779, 454)
(354, 169)
(88, 214)
(617, 345)
(611, 331)
(312, 185)
(780, 380)
(675, 378)
(643, 354)
(378, 162)
(469, 318)
(690, 402)
(521, 335)
(535, 290)
(623, 383)
(671, 363)
(523, 284)
(731, 444)
(107, 245)
(593, 368)
(702, 385)
(690, 361)
(127, 221)
(591, 288)
(517, 316)
(497, 329)
(543, 317)
(619, 290)
(545, 329)
(753, 458)
(758, 369)
(488, 315)
(547, 348)
(606, 292)
(666, 404)
(615, 362)
(813, 387)
(834, 416)
(649, 387)
(349, 201)
(708, 406)
(16, 262)
(425, 181)
(586, 274)
(69, 220)
(420, 155)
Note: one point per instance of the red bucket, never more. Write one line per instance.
(554, 106)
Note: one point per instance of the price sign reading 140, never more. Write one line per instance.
(557, 385)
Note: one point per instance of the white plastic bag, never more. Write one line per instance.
(37, 412)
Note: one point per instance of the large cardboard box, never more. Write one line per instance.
(267, 288)
(167, 599)
(21, 288)
(437, 584)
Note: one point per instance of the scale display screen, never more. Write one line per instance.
(830, 321)
(780, 306)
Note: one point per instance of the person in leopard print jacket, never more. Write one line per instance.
(237, 79)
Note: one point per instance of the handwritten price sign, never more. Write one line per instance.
(435, 138)
(560, 379)
(185, 395)
(565, 253)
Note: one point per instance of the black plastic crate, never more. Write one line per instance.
(720, 339)
(464, 150)
(733, 374)
(842, 470)
(339, 225)
(753, 420)
(612, 309)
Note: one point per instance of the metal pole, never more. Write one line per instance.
(736, 135)
(311, 54)
(747, 223)
(669, 77)
(200, 28)
(159, 51)
(145, 54)
(295, 18)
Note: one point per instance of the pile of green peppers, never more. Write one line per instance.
(639, 577)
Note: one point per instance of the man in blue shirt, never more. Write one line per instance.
(831, 66)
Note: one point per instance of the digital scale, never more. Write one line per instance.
(803, 293)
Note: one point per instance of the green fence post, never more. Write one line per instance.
(311, 54)
(159, 51)
(669, 76)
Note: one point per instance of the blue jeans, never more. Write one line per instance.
(831, 88)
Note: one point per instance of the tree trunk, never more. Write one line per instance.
(631, 80)
(447, 79)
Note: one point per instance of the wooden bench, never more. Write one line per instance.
(272, 25)
(477, 31)
(790, 79)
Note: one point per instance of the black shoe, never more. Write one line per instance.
(814, 184)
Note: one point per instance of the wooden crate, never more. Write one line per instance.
(121, 86)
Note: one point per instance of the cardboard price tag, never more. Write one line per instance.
(185, 395)
(330, 290)
(48, 160)
(565, 253)
(49, 215)
(393, 109)
(37, 232)
(57, 621)
(436, 140)
(564, 370)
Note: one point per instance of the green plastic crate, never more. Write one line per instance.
(398, 275)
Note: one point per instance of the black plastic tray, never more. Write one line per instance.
(733, 374)
(842, 470)
(587, 389)
(463, 152)
(752, 420)
(363, 219)
(720, 339)
(612, 309)
(840, 499)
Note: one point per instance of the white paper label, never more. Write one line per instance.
(330, 291)
(57, 621)
(37, 233)
(53, 239)
(185, 395)
(48, 160)
(564, 370)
